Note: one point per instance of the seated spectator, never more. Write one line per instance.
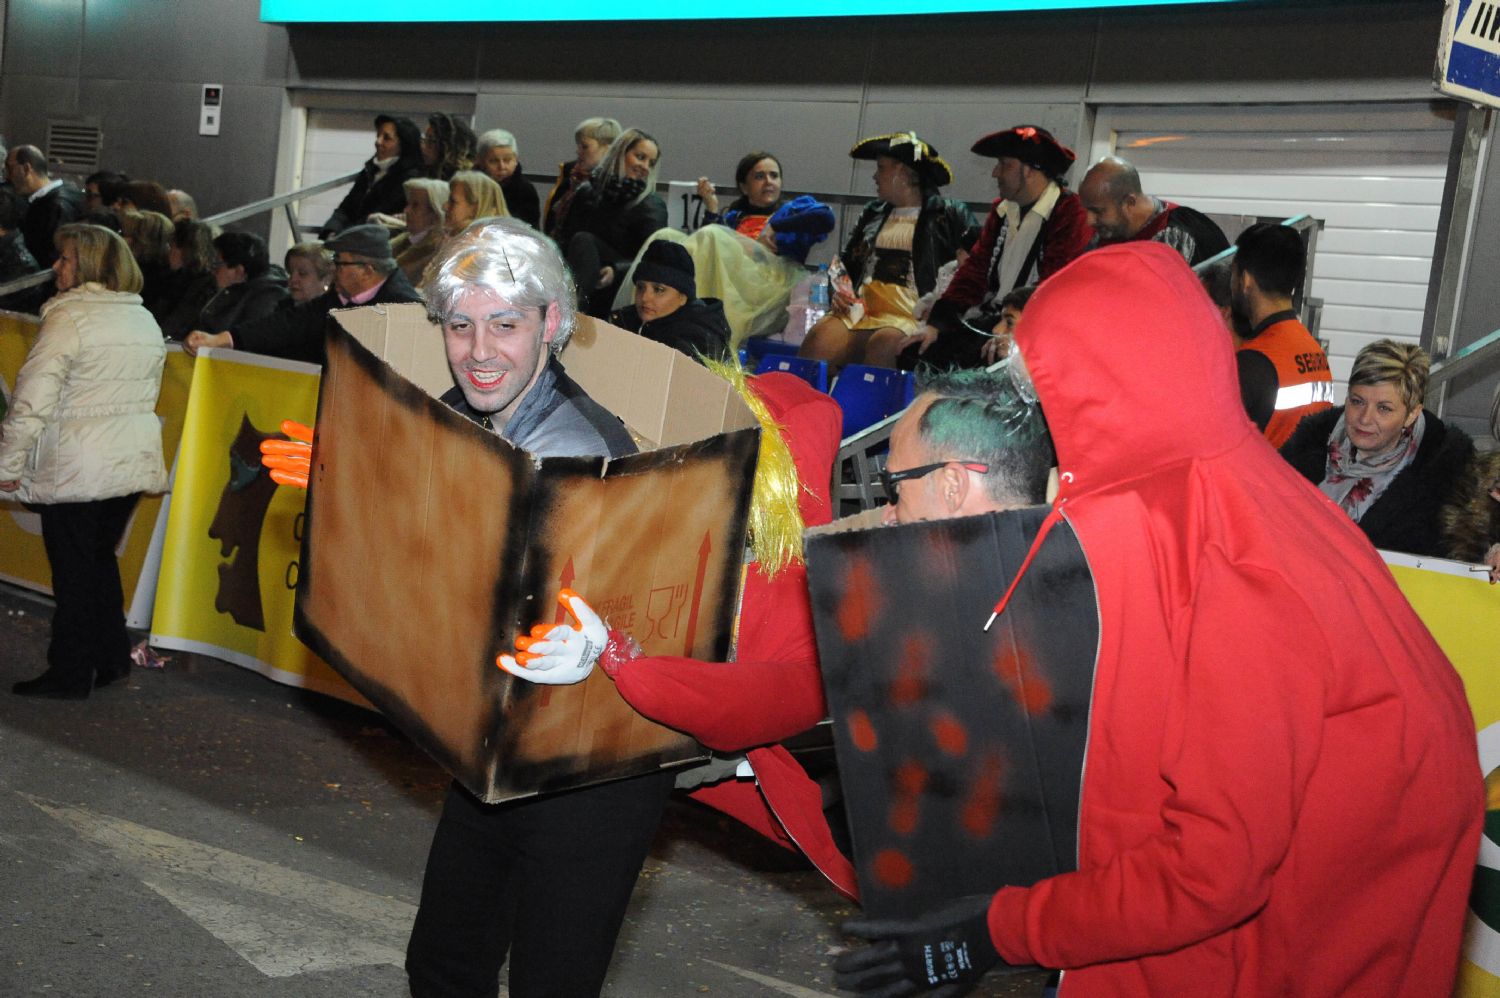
(968, 444)
(1215, 278)
(250, 286)
(997, 347)
(1034, 229)
(309, 270)
(1283, 371)
(149, 236)
(183, 205)
(611, 217)
(752, 259)
(592, 139)
(667, 308)
(94, 186)
(50, 203)
(893, 255)
(471, 195)
(1471, 520)
(377, 189)
(1120, 211)
(141, 195)
(426, 201)
(365, 273)
(1385, 461)
(500, 159)
(189, 281)
(447, 146)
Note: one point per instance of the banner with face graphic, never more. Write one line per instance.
(1462, 611)
(23, 560)
(231, 547)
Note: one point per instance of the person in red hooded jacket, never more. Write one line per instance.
(773, 690)
(1280, 793)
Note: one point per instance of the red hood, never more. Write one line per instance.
(806, 416)
(1120, 343)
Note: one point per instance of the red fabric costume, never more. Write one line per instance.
(774, 690)
(1281, 793)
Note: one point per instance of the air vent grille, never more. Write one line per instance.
(74, 145)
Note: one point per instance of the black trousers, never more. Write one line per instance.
(88, 627)
(548, 879)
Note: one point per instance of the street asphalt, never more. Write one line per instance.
(201, 831)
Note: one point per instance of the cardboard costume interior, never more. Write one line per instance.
(431, 543)
(960, 750)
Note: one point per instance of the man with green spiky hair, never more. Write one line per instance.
(968, 444)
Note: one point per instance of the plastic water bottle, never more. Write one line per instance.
(818, 297)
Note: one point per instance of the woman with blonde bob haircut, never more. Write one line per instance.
(1388, 463)
(81, 442)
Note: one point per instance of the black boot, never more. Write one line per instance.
(51, 687)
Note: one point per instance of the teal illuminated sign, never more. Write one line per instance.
(408, 11)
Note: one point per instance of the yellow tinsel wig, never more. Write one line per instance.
(775, 514)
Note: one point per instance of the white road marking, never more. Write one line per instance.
(280, 921)
(785, 987)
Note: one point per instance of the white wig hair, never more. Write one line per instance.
(510, 259)
(496, 138)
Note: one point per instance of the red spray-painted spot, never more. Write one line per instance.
(911, 778)
(910, 684)
(892, 868)
(1028, 687)
(951, 736)
(904, 814)
(982, 808)
(861, 731)
(861, 600)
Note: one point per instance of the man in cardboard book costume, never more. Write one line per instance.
(1280, 793)
(547, 878)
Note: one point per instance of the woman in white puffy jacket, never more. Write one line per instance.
(79, 445)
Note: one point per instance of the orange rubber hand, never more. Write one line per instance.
(289, 461)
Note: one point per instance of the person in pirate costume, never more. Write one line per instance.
(898, 245)
(1035, 227)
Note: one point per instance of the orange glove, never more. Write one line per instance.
(290, 461)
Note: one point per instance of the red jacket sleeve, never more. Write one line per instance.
(773, 692)
(1068, 235)
(1240, 738)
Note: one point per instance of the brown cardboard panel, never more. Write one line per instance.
(431, 543)
(960, 750)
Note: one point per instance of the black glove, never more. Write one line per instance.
(948, 949)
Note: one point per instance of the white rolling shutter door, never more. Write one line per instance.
(1373, 173)
(337, 142)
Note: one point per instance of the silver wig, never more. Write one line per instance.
(511, 259)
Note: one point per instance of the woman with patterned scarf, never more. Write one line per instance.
(1389, 464)
(611, 218)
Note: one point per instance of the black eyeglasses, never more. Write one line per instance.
(350, 263)
(890, 479)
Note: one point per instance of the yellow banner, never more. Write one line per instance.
(232, 545)
(1462, 610)
(23, 560)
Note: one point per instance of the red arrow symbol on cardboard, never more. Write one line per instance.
(692, 628)
(564, 580)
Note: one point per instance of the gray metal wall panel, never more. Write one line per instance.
(204, 42)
